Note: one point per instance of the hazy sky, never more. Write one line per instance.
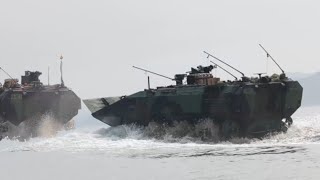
(102, 39)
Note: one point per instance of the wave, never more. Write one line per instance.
(181, 140)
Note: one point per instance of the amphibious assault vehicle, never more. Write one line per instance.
(27, 103)
(250, 107)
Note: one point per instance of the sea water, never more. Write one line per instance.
(94, 151)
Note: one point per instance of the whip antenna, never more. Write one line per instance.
(6, 73)
(61, 72)
(153, 73)
(268, 55)
(210, 55)
(48, 75)
(147, 71)
(224, 70)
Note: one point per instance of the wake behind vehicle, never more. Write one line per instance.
(29, 102)
(250, 107)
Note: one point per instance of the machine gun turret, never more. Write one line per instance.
(30, 77)
(202, 69)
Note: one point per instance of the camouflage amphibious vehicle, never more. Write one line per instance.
(29, 101)
(251, 107)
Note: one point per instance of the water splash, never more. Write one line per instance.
(43, 126)
(181, 140)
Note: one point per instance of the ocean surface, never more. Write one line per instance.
(94, 151)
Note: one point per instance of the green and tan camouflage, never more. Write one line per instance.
(251, 107)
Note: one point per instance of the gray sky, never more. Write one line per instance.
(102, 39)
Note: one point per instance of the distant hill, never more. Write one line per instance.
(311, 89)
(299, 75)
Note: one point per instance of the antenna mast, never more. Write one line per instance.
(48, 75)
(6, 73)
(153, 73)
(224, 70)
(62, 83)
(209, 55)
(268, 55)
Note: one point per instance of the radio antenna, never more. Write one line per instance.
(268, 55)
(48, 75)
(153, 73)
(61, 64)
(224, 70)
(6, 73)
(210, 55)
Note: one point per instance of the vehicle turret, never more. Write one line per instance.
(202, 76)
(30, 77)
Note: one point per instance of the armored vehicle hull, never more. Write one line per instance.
(250, 107)
(28, 104)
(239, 108)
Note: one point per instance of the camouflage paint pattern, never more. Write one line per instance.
(244, 108)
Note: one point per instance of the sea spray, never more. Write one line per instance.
(163, 141)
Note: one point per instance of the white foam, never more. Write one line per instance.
(132, 140)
